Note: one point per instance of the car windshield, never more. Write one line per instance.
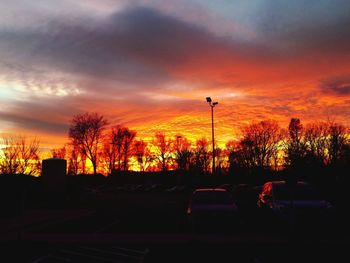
(297, 192)
(212, 197)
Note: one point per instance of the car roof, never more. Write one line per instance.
(277, 183)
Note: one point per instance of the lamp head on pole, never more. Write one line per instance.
(212, 105)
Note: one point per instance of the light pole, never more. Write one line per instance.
(212, 105)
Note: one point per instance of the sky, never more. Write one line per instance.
(149, 65)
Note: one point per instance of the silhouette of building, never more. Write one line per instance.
(53, 177)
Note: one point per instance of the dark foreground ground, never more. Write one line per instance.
(138, 225)
(151, 249)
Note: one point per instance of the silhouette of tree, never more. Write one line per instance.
(260, 143)
(143, 155)
(9, 162)
(337, 143)
(183, 153)
(316, 137)
(20, 156)
(128, 137)
(117, 137)
(82, 163)
(73, 159)
(231, 147)
(225, 156)
(117, 148)
(245, 155)
(201, 156)
(295, 144)
(109, 152)
(220, 160)
(86, 132)
(239, 159)
(59, 152)
(162, 149)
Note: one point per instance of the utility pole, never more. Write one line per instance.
(212, 105)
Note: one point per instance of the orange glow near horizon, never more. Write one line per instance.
(230, 115)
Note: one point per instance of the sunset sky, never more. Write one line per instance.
(149, 65)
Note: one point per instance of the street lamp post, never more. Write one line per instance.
(212, 105)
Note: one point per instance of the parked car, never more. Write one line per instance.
(295, 205)
(228, 187)
(212, 208)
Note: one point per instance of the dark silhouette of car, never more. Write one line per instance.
(227, 187)
(296, 205)
(212, 209)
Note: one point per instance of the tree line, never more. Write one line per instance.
(18, 155)
(305, 151)
(262, 146)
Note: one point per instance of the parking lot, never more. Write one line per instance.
(156, 221)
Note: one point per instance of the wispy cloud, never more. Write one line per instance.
(337, 86)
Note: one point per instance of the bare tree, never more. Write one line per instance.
(316, 140)
(128, 137)
(245, 154)
(239, 155)
(326, 142)
(86, 132)
(220, 157)
(162, 149)
(108, 156)
(260, 143)
(143, 155)
(9, 162)
(231, 146)
(74, 159)
(111, 151)
(59, 152)
(117, 142)
(201, 158)
(117, 148)
(337, 142)
(183, 153)
(295, 145)
(19, 156)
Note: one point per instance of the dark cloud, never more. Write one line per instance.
(139, 46)
(142, 46)
(35, 124)
(306, 26)
(336, 86)
(133, 46)
(147, 34)
(89, 50)
(143, 49)
(40, 115)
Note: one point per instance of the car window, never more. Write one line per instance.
(212, 197)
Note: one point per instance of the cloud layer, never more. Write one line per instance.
(150, 64)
